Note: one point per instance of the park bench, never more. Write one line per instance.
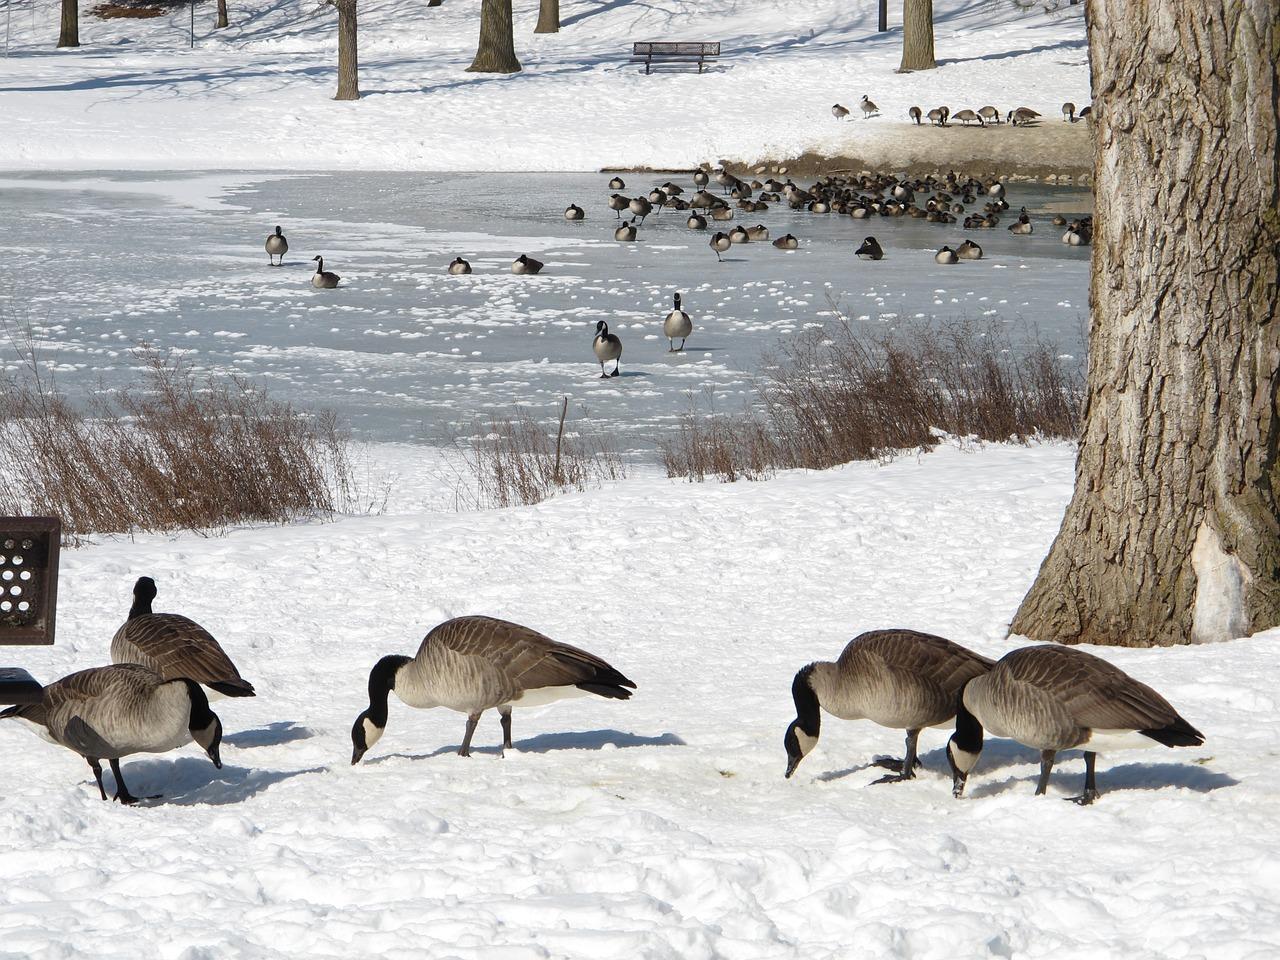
(658, 52)
(28, 595)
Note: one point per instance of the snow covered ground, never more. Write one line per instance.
(657, 828)
(256, 95)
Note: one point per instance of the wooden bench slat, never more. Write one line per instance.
(18, 686)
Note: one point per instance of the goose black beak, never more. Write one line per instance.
(792, 763)
(356, 755)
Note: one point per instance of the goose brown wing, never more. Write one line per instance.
(924, 655)
(528, 659)
(177, 647)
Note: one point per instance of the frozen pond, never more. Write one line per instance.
(405, 352)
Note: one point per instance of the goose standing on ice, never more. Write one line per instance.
(277, 246)
(322, 278)
(175, 647)
(607, 346)
(107, 713)
(1056, 698)
(900, 679)
(677, 324)
(618, 203)
(472, 664)
(720, 243)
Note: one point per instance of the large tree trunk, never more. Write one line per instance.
(1172, 535)
(69, 34)
(497, 50)
(548, 17)
(917, 35)
(348, 62)
(222, 15)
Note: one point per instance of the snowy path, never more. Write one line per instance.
(257, 95)
(657, 828)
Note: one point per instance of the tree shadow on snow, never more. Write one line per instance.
(191, 782)
(285, 731)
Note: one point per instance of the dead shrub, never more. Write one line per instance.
(728, 447)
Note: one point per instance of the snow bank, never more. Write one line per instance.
(657, 828)
(257, 95)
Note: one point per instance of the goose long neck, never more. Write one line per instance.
(201, 715)
(968, 735)
(141, 607)
(319, 264)
(806, 699)
(382, 680)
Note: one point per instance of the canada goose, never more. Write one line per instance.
(106, 713)
(969, 250)
(946, 255)
(618, 203)
(859, 212)
(786, 242)
(696, 222)
(672, 189)
(968, 116)
(868, 108)
(758, 233)
(720, 243)
(640, 207)
(839, 112)
(989, 114)
(607, 347)
(470, 664)
(1075, 237)
(1069, 112)
(1022, 115)
(459, 267)
(721, 211)
(739, 235)
(174, 646)
(1059, 220)
(938, 116)
(617, 184)
(322, 278)
(870, 250)
(701, 178)
(525, 265)
(677, 324)
(901, 679)
(1086, 111)
(626, 231)
(1053, 698)
(574, 212)
(996, 190)
(725, 179)
(914, 114)
(277, 246)
(1023, 227)
(819, 206)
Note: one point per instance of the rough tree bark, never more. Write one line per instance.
(69, 33)
(548, 17)
(496, 52)
(1172, 535)
(348, 62)
(917, 35)
(222, 15)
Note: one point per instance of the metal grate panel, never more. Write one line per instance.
(28, 579)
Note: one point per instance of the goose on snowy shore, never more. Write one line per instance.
(900, 679)
(868, 108)
(322, 278)
(607, 346)
(677, 324)
(277, 246)
(1054, 698)
(107, 713)
(175, 647)
(473, 664)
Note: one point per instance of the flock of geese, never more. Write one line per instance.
(166, 669)
(938, 116)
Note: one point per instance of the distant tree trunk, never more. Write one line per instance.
(69, 35)
(917, 35)
(497, 50)
(882, 20)
(222, 15)
(348, 63)
(548, 17)
(1173, 533)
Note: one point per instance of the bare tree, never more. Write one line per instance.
(917, 36)
(222, 15)
(348, 62)
(1173, 533)
(548, 17)
(496, 52)
(69, 33)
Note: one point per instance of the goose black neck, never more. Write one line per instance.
(201, 715)
(677, 301)
(968, 736)
(382, 680)
(144, 592)
(807, 716)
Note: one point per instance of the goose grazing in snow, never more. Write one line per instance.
(175, 647)
(914, 114)
(868, 108)
(1056, 698)
(322, 278)
(459, 267)
(607, 347)
(277, 246)
(574, 212)
(967, 117)
(472, 664)
(720, 243)
(839, 112)
(938, 116)
(525, 265)
(946, 255)
(1022, 115)
(900, 679)
(677, 324)
(989, 114)
(107, 713)
(870, 250)
(787, 242)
